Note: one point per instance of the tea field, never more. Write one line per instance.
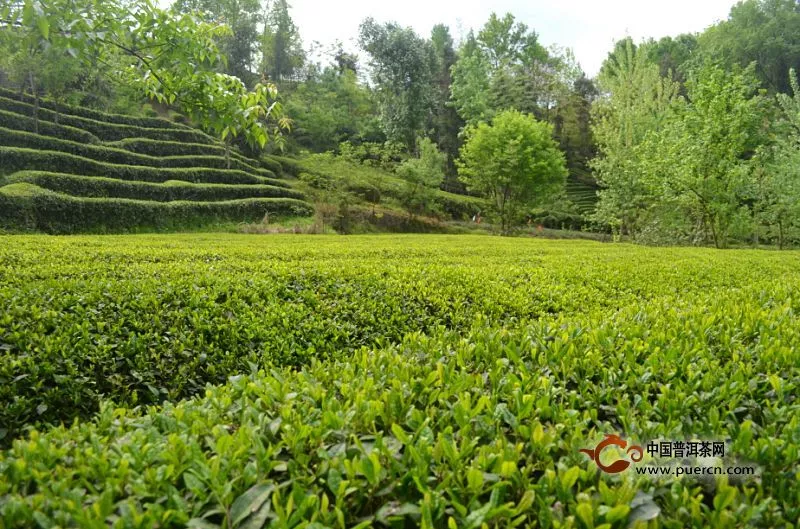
(234, 381)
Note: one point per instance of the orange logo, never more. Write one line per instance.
(634, 452)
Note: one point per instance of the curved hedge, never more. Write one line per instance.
(30, 208)
(100, 187)
(174, 148)
(15, 138)
(13, 159)
(146, 122)
(12, 120)
(107, 131)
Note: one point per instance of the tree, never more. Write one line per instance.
(445, 122)
(766, 32)
(505, 67)
(242, 17)
(282, 48)
(635, 100)
(422, 175)
(706, 150)
(401, 64)
(778, 177)
(515, 162)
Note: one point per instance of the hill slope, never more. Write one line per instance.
(79, 170)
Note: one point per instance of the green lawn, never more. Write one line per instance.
(221, 380)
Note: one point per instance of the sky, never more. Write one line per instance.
(588, 27)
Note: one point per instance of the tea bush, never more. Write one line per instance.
(432, 381)
(99, 187)
(14, 138)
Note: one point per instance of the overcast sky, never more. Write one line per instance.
(589, 27)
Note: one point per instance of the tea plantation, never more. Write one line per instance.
(79, 170)
(233, 381)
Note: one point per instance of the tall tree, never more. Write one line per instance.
(635, 100)
(766, 32)
(445, 121)
(282, 48)
(241, 44)
(402, 70)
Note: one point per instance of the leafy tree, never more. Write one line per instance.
(422, 175)
(331, 107)
(572, 127)
(706, 150)
(635, 101)
(766, 32)
(514, 161)
(778, 179)
(471, 79)
(242, 17)
(402, 72)
(445, 121)
(282, 48)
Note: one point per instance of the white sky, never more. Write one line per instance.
(589, 27)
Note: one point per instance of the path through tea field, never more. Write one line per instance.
(435, 381)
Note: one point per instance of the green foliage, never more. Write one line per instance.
(11, 120)
(478, 421)
(402, 72)
(331, 107)
(34, 209)
(14, 159)
(83, 112)
(242, 17)
(514, 162)
(171, 190)
(281, 47)
(422, 175)
(14, 138)
(637, 101)
(157, 148)
(104, 130)
(766, 32)
(386, 156)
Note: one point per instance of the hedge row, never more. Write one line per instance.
(289, 165)
(107, 131)
(11, 120)
(99, 187)
(174, 148)
(14, 138)
(40, 210)
(121, 119)
(460, 207)
(13, 159)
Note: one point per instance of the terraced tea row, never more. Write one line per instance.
(69, 159)
(423, 381)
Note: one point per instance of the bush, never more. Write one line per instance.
(10, 120)
(558, 220)
(288, 165)
(147, 122)
(40, 210)
(13, 159)
(497, 361)
(174, 148)
(13, 138)
(98, 187)
(108, 131)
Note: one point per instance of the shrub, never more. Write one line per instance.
(496, 363)
(11, 120)
(13, 138)
(13, 159)
(57, 213)
(147, 122)
(174, 148)
(108, 131)
(98, 187)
